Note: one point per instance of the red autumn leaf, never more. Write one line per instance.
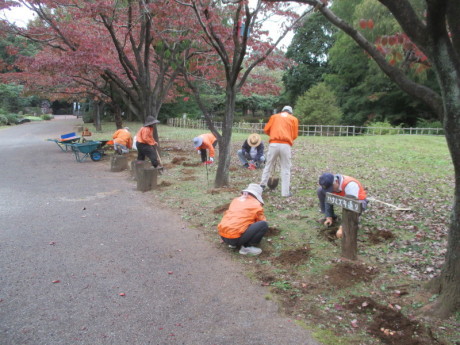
(370, 24)
(122, 294)
(186, 99)
(170, 272)
(363, 23)
(56, 281)
(384, 40)
(392, 40)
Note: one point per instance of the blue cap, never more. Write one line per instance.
(326, 181)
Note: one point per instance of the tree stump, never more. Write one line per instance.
(136, 167)
(118, 162)
(147, 179)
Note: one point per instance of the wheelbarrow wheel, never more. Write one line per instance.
(96, 156)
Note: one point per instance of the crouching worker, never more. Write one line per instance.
(244, 223)
(122, 140)
(340, 185)
(252, 151)
(145, 143)
(203, 143)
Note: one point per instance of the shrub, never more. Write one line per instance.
(382, 128)
(3, 120)
(318, 106)
(47, 117)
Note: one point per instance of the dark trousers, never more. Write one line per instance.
(204, 153)
(252, 236)
(146, 150)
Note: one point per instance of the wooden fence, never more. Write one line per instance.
(310, 130)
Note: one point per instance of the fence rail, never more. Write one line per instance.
(310, 130)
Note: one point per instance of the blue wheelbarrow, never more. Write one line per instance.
(90, 149)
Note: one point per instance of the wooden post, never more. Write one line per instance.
(118, 162)
(351, 209)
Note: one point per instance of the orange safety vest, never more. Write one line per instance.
(208, 140)
(242, 212)
(123, 137)
(346, 180)
(145, 136)
(282, 128)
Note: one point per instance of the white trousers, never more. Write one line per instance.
(281, 152)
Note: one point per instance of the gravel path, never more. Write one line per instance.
(75, 237)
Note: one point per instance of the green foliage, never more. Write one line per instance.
(422, 123)
(46, 117)
(309, 49)
(11, 98)
(318, 106)
(384, 127)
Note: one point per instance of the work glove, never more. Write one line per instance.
(211, 159)
(328, 221)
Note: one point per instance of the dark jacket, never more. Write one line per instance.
(260, 149)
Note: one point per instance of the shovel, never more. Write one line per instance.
(397, 208)
(272, 182)
(160, 168)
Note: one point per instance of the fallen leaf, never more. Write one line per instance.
(170, 272)
(56, 281)
(354, 323)
(122, 294)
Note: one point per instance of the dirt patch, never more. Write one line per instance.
(186, 164)
(272, 231)
(379, 236)
(223, 190)
(188, 178)
(328, 233)
(346, 274)
(294, 257)
(168, 166)
(187, 171)
(164, 184)
(221, 209)
(390, 325)
(178, 160)
(265, 275)
(174, 149)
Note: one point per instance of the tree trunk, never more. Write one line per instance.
(117, 116)
(97, 116)
(449, 281)
(222, 174)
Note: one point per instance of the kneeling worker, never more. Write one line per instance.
(252, 150)
(122, 140)
(340, 185)
(145, 142)
(244, 223)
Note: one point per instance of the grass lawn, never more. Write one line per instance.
(379, 298)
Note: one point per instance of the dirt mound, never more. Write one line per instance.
(294, 257)
(379, 236)
(346, 274)
(223, 190)
(178, 160)
(164, 184)
(187, 171)
(188, 178)
(390, 325)
(186, 164)
(221, 209)
(272, 231)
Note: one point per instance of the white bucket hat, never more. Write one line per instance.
(255, 190)
(150, 121)
(197, 141)
(288, 109)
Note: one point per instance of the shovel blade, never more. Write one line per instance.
(273, 182)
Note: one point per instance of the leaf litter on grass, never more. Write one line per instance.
(395, 248)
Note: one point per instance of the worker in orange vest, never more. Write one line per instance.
(340, 185)
(244, 223)
(203, 143)
(122, 140)
(145, 143)
(283, 129)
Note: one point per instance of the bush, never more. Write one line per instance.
(3, 120)
(382, 128)
(318, 106)
(47, 117)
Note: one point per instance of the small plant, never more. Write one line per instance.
(283, 285)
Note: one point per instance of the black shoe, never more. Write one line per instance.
(262, 186)
(246, 165)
